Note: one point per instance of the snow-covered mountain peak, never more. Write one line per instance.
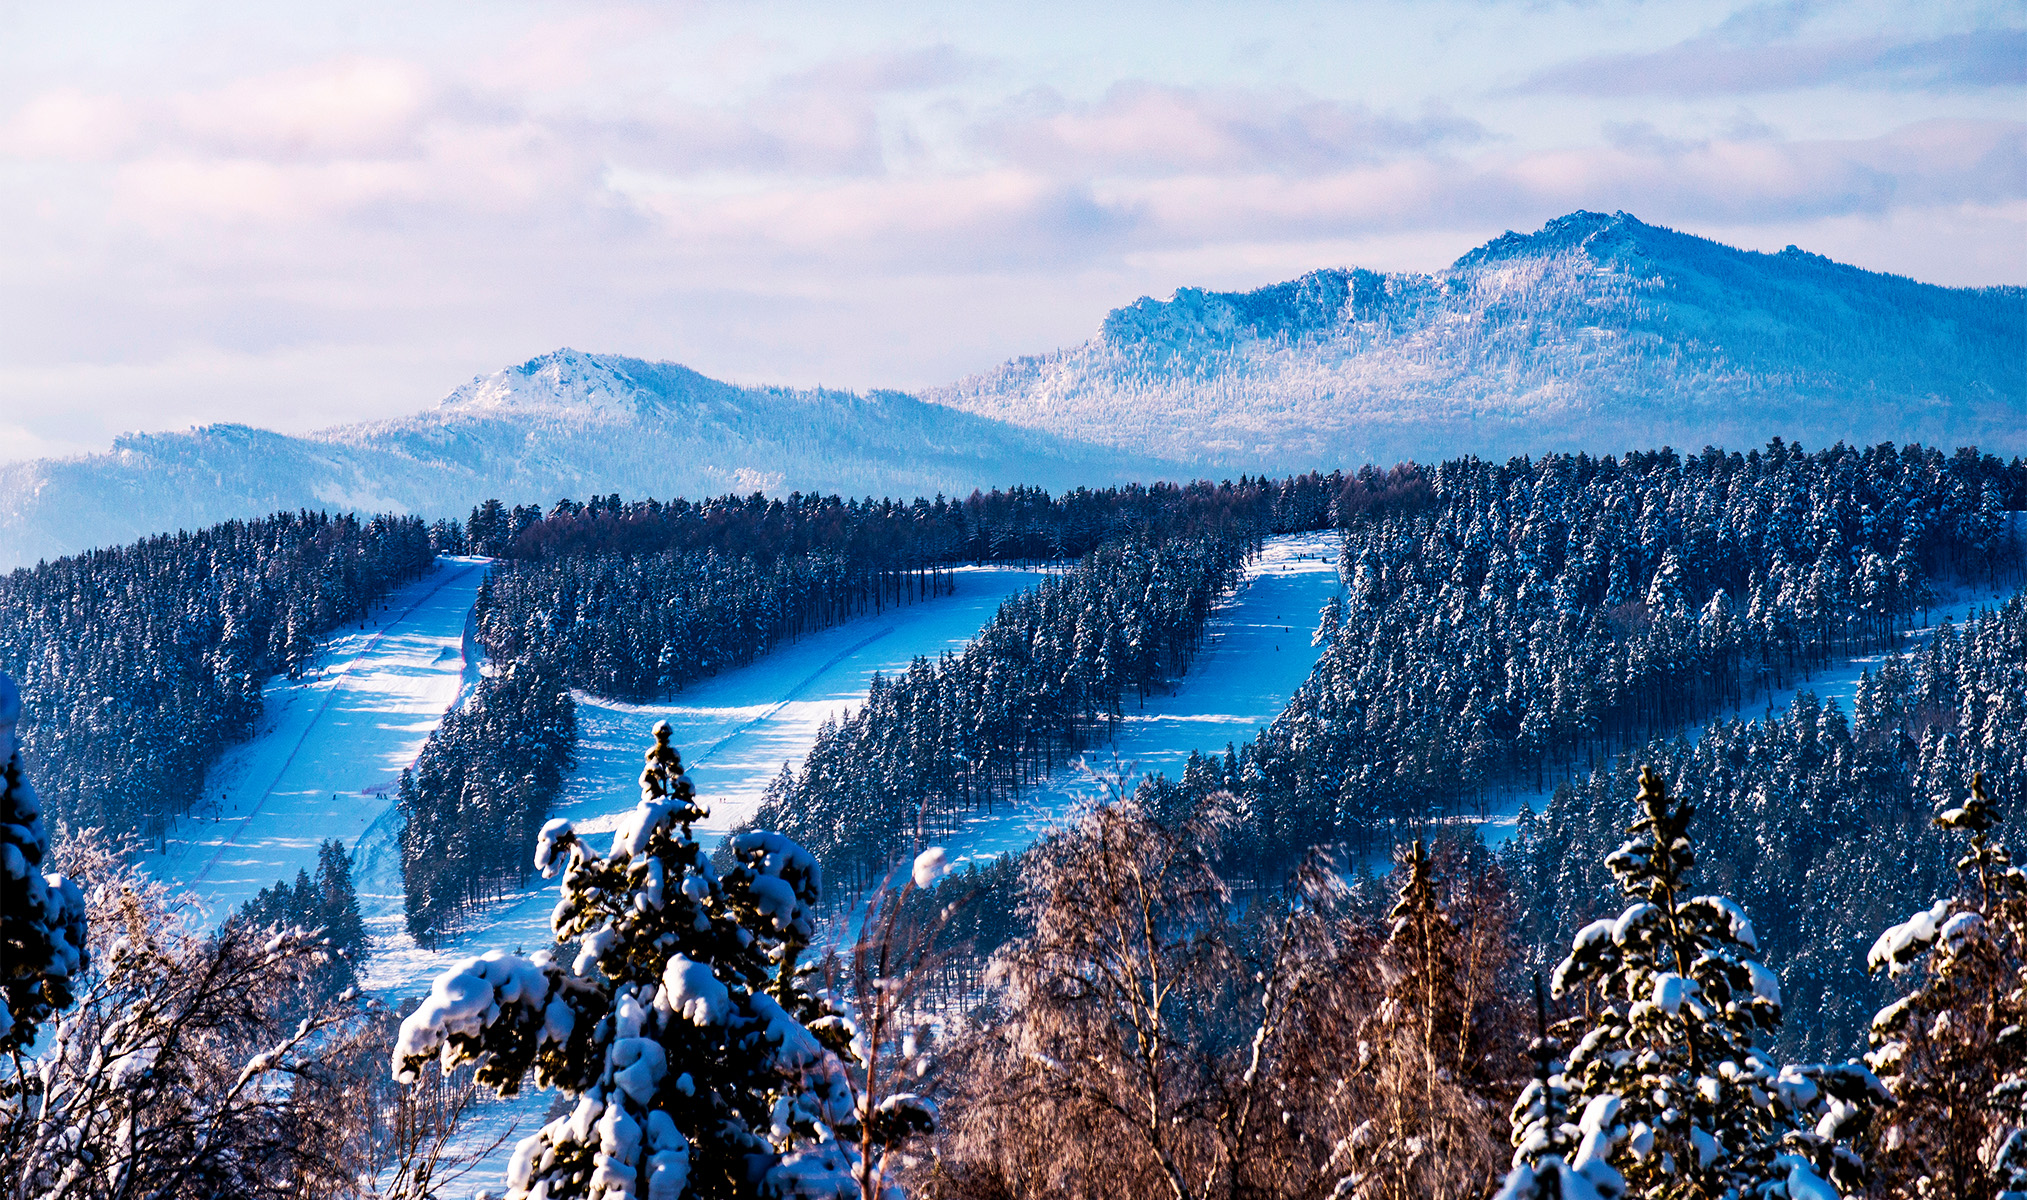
(568, 384)
(562, 424)
(1601, 235)
(1598, 331)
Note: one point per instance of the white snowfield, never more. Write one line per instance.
(1256, 652)
(737, 729)
(734, 731)
(1837, 682)
(331, 746)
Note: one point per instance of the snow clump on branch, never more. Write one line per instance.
(701, 1059)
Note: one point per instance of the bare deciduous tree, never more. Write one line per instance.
(1155, 1035)
(205, 1064)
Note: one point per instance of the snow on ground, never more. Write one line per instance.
(1840, 682)
(1256, 652)
(734, 731)
(331, 745)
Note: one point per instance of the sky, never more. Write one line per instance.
(301, 215)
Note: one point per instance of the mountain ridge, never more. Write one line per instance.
(1597, 332)
(561, 424)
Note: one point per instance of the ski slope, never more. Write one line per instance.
(331, 746)
(1838, 682)
(1256, 652)
(734, 731)
(737, 729)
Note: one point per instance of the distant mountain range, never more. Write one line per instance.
(1598, 332)
(564, 424)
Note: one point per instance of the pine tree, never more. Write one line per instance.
(325, 908)
(1554, 1159)
(1952, 1050)
(195, 1062)
(701, 1061)
(1432, 1084)
(337, 908)
(42, 916)
(1670, 1067)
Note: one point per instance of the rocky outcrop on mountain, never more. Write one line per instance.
(1598, 332)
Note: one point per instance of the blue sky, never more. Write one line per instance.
(300, 215)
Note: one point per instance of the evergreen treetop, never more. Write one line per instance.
(1670, 1069)
(1952, 1050)
(701, 1059)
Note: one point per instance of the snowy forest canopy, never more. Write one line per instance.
(635, 600)
(1201, 1006)
(146, 661)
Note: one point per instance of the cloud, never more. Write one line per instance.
(340, 108)
(1019, 216)
(905, 69)
(1141, 128)
(69, 125)
(1720, 65)
(296, 242)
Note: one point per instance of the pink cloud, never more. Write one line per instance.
(1143, 128)
(70, 125)
(339, 108)
(1718, 65)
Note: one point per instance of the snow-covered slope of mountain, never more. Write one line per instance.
(564, 424)
(1598, 332)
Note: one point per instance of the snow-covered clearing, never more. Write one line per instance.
(331, 745)
(1256, 652)
(734, 730)
(1840, 682)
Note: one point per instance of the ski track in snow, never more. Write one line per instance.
(1256, 652)
(734, 730)
(737, 729)
(330, 748)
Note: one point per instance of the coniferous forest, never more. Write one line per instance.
(1742, 941)
(148, 660)
(636, 600)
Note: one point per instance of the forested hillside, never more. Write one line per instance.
(1203, 980)
(1818, 820)
(1053, 671)
(146, 661)
(637, 599)
(1538, 616)
(1596, 333)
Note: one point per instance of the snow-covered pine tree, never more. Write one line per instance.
(702, 1062)
(42, 917)
(1554, 1159)
(1670, 1070)
(326, 906)
(1952, 1050)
